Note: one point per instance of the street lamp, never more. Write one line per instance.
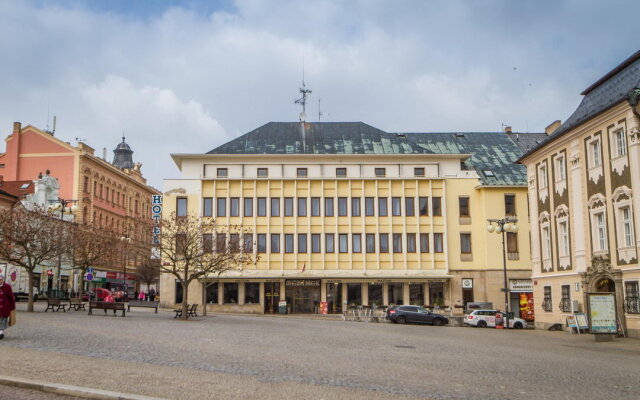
(125, 240)
(503, 226)
(61, 205)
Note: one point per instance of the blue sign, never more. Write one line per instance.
(89, 276)
(90, 270)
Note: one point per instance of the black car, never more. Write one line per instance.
(417, 314)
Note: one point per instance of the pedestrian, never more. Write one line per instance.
(7, 305)
(141, 295)
(151, 294)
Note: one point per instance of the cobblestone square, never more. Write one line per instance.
(230, 356)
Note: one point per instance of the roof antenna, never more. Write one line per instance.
(319, 111)
(303, 100)
(54, 125)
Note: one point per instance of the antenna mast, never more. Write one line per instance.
(303, 100)
(319, 111)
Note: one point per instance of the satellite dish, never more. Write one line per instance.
(302, 116)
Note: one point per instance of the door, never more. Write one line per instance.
(271, 297)
(334, 298)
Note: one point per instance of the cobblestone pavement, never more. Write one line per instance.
(14, 393)
(227, 356)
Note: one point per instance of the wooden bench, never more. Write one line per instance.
(106, 305)
(55, 305)
(192, 311)
(76, 304)
(142, 303)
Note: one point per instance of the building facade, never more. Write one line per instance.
(347, 214)
(583, 206)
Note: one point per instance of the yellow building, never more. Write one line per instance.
(345, 213)
(583, 206)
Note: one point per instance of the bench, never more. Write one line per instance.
(54, 305)
(142, 303)
(76, 304)
(106, 305)
(192, 311)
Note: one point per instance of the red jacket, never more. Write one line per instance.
(7, 302)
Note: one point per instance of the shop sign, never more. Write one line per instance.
(520, 285)
(333, 280)
(156, 216)
(602, 313)
(302, 282)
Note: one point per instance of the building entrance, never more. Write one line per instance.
(271, 297)
(334, 298)
(303, 295)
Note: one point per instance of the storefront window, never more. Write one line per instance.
(252, 293)
(375, 294)
(436, 294)
(230, 293)
(416, 294)
(212, 293)
(395, 293)
(354, 293)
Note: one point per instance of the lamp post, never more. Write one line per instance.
(125, 240)
(503, 226)
(61, 204)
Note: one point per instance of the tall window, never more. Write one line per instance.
(315, 206)
(262, 243)
(342, 207)
(621, 143)
(355, 206)
(221, 207)
(438, 246)
(207, 207)
(343, 243)
(315, 243)
(234, 207)
(247, 240)
(275, 243)
(302, 207)
(234, 243)
(397, 243)
(510, 204)
(85, 187)
(627, 226)
(384, 243)
(248, 207)
(596, 159)
(262, 207)
(601, 231)
(632, 297)
(369, 206)
(546, 243)
(252, 293)
(563, 237)
(424, 243)
(382, 207)
(463, 205)
(565, 300)
(542, 173)
(288, 243)
(371, 243)
(409, 206)
(547, 303)
(465, 243)
(341, 172)
(301, 172)
(512, 242)
(328, 207)
(356, 243)
(329, 243)
(396, 206)
(423, 203)
(221, 243)
(275, 206)
(381, 172)
(411, 242)
(560, 171)
(207, 242)
(436, 206)
(222, 172)
(288, 206)
(302, 242)
(181, 207)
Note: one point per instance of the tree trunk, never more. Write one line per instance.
(30, 283)
(185, 296)
(80, 290)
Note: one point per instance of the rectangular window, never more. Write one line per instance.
(302, 207)
(181, 207)
(343, 243)
(288, 243)
(563, 236)
(418, 171)
(381, 172)
(424, 243)
(411, 242)
(248, 207)
(301, 172)
(596, 159)
(181, 242)
(510, 204)
(632, 297)
(565, 300)
(315, 243)
(288, 206)
(275, 206)
(355, 206)
(371, 243)
(341, 172)
(438, 246)
(302, 242)
(382, 207)
(230, 292)
(409, 206)
(397, 243)
(247, 240)
(627, 226)
(221, 243)
(275, 243)
(396, 206)
(601, 231)
(262, 207)
(342, 206)
(369, 206)
(356, 243)
(315, 206)
(221, 207)
(546, 243)
(560, 171)
(262, 243)
(263, 172)
(384, 243)
(222, 172)
(234, 206)
(423, 203)
(86, 186)
(512, 242)
(463, 206)
(234, 243)
(207, 242)
(621, 143)
(547, 303)
(328, 207)
(436, 206)
(465, 243)
(329, 239)
(542, 172)
(252, 293)
(207, 207)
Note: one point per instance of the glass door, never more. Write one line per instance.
(334, 298)
(271, 297)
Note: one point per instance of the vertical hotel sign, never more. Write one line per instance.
(156, 216)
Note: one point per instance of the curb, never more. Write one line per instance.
(68, 390)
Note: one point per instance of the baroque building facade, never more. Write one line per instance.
(583, 181)
(347, 214)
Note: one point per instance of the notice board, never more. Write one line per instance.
(602, 312)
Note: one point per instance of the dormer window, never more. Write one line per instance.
(341, 172)
(418, 171)
(381, 172)
(222, 172)
(302, 172)
(488, 173)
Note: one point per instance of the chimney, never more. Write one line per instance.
(17, 126)
(507, 129)
(104, 153)
(552, 127)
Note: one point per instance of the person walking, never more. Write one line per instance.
(141, 295)
(7, 304)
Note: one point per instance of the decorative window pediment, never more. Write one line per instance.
(597, 201)
(620, 194)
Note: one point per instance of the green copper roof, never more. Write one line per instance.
(492, 153)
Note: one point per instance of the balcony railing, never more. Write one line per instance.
(632, 305)
(565, 305)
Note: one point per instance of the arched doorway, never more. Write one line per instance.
(605, 285)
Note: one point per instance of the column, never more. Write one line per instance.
(405, 293)
(241, 293)
(365, 294)
(385, 293)
(220, 293)
(262, 302)
(323, 289)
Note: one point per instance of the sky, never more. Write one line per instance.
(187, 76)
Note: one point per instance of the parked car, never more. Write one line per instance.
(22, 295)
(487, 319)
(100, 293)
(417, 314)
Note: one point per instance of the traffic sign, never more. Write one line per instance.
(49, 272)
(90, 270)
(89, 276)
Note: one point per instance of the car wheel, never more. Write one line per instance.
(482, 324)
(438, 322)
(401, 320)
(518, 325)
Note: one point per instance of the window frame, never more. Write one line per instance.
(222, 172)
(341, 172)
(182, 206)
(262, 172)
(465, 243)
(207, 206)
(302, 172)
(419, 171)
(464, 209)
(380, 172)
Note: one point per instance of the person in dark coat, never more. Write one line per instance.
(7, 304)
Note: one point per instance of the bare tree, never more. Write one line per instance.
(148, 271)
(31, 238)
(187, 251)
